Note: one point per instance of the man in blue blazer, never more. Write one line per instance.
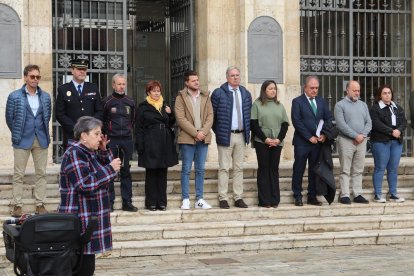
(28, 112)
(308, 111)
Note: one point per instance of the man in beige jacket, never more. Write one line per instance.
(194, 116)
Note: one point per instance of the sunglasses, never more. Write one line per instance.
(32, 77)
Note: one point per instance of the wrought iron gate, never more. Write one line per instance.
(103, 31)
(94, 30)
(367, 40)
(182, 41)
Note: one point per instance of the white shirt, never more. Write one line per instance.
(234, 117)
(33, 101)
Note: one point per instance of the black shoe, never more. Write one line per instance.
(127, 206)
(240, 203)
(298, 202)
(224, 204)
(152, 208)
(314, 201)
(112, 207)
(345, 200)
(360, 199)
(162, 208)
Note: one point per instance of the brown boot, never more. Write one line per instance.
(17, 211)
(40, 209)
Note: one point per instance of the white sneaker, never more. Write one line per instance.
(201, 204)
(396, 199)
(379, 199)
(186, 204)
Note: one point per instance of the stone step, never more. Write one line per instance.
(284, 211)
(260, 227)
(174, 200)
(210, 186)
(260, 242)
(406, 179)
(206, 231)
(138, 174)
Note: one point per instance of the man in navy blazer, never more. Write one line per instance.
(77, 98)
(308, 111)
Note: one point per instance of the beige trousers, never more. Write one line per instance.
(231, 155)
(21, 156)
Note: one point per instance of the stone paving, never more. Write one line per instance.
(341, 260)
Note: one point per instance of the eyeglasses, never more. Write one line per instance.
(32, 77)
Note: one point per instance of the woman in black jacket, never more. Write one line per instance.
(155, 145)
(388, 125)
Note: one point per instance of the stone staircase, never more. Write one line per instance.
(206, 231)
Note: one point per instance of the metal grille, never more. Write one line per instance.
(95, 30)
(368, 41)
(182, 42)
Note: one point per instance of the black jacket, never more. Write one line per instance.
(69, 106)
(325, 179)
(381, 122)
(119, 115)
(155, 137)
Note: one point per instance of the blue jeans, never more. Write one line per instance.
(198, 154)
(386, 156)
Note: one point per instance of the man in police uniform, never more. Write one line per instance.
(119, 119)
(77, 98)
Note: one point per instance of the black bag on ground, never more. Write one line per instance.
(47, 244)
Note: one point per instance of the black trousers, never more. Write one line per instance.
(122, 147)
(268, 159)
(156, 187)
(88, 266)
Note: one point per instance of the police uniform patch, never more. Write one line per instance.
(68, 93)
(113, 109)
(91, 94)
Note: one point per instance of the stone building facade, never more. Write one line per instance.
(221, 39)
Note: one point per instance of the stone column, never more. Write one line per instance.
(221, 41)
(36, 41)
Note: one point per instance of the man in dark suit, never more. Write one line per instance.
(77, 98)
(308, 111)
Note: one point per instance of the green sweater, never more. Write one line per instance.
(270, 117)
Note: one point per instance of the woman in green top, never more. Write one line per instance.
(269, 124)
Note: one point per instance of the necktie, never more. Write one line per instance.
(313, 105)
(79, 89)
(239, 114)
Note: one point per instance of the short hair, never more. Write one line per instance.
(231, 68)
(349, 83)
(30, 68)
(309, 78)
(116, 76)
(379, 91)
(262, 97)
(188, 74)
(85, 124)
(151, 84)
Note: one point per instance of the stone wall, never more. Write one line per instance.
(36, 31)
(221, 41)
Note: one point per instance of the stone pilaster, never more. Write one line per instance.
(36, 31)
(221, 37)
